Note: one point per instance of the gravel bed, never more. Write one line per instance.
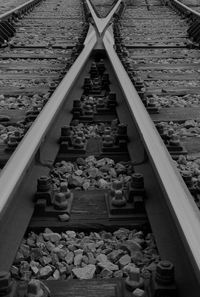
(151, 26)
(86, 131)
(179, 53)
(165, 61)
(143, 12)
(172, 83)
(8, 131)
(90, 173)
(151, 73)
(189, 100)
(23, 102)
(190, 165)
(60, 53)
(70, 254)
(50, 23)
(189, 128)
(25, 62)
(29, 83)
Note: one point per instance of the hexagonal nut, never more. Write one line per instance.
(64, 186)
(60, 201)
(5, 280)
(165, 272)
(43, 183)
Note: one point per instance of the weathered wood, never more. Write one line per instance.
(87, 288)
(177, 114)
(89, 212)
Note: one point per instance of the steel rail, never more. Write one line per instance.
(185, 7)
(17, 9)
(102, 23)
(14, 171)
(179, 200)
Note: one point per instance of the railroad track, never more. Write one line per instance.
(98, 195)
(33, 63)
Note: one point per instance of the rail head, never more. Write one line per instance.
(15, 11)
(17, 166)
(177, 195)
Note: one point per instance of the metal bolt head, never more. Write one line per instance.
(60, 197)
(117, 185)
(43, 183)
(137, 180)
(165, 272)
(64, 186)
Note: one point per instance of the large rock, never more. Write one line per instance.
(102, 258)
(115, 255)
(108, 265)
(45, 271)
(131, 246)
(78, 259)
(53, 237)
(106, 273)
(124, 260)
(76, 181)
(86, 272)
(91, 258)
(69, 258)
(71, 234)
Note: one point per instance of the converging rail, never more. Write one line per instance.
(177, 194)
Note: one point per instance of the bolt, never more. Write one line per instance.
(174, 140)
(107, 141)
(122, 129)
(137, 180)
(117, 185)
(78, 143)
(134, 281)
(43, 184)
(151, 102)
(60, 201)
(118, 200)
(165, 272)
